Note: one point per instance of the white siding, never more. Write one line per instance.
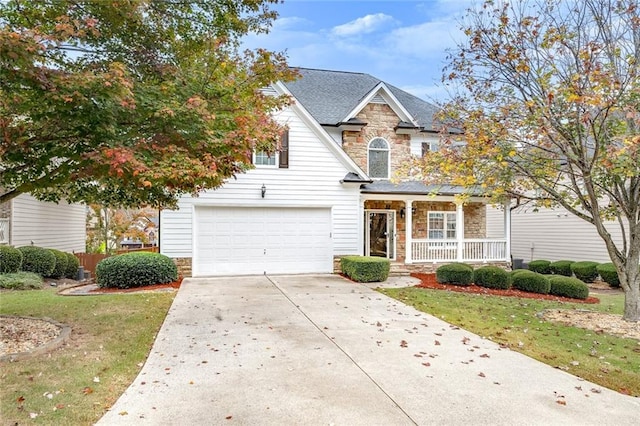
(312, 180)
(59, 226)
(553, 234)
(417, 140)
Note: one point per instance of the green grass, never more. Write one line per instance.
(607, 360)
(110, 339)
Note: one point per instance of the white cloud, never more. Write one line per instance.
(365, 25)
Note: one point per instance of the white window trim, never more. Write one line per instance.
(388, 158)
(275, 165)
(447, 215)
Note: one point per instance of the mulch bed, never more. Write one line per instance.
(429, 281)
(174, 284)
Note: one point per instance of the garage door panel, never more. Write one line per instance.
(235, 240)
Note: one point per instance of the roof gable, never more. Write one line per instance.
(332, 97)
(322, 135)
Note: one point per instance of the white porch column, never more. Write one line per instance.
(408, 231)
(507, 229)
(459, 230)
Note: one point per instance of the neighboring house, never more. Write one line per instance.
(552, 234)
(329, 193)
(25, 221)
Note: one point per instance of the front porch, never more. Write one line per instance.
(443, 230)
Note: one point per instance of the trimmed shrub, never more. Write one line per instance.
(608, 274)
(492, 277)
(532, 282)
(540, 266)
(73, 263)
(561, 267)
(61, 264)
(585, 271)
(21, 281)
(568, 287)
(37, 260)
(135, 270)
(455, 273)
(365, 269)
(10, 259)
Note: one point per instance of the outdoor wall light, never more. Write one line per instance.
(402, 211)
(263, 190)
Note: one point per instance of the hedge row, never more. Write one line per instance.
(585, 271)
(365, 269)
(521, 279)
(48, 263)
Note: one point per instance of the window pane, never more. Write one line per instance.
(436, 225)
(451, 225)
(379, 164)
(378, 143)
(263, 159)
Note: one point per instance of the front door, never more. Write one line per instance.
(381, 233)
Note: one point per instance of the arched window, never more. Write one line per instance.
(379, 159)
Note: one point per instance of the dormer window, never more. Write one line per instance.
(379, 159)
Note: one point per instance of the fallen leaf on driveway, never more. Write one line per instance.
(123, 413)
(484, 356)
(482, 375)
(426, 364)
(561, 402)
(437, 343)
(404, 344)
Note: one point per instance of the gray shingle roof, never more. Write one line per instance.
(417, 188)
(330, 95)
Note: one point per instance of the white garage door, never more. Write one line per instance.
(239, 241)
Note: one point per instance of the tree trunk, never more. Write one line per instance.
(632, 304)
(629, 274)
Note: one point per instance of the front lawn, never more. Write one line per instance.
(110, 339)
(609, 361)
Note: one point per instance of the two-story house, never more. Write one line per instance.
(329, 192)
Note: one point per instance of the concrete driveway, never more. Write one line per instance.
(320, 350)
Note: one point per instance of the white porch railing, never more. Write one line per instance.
(476, 250)
(4, 231)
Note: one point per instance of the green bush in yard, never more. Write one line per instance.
(568, 287)
(561, 267)
(37, 260)
(608, 274)
(10, 259)
(73, 263)
(365, 269)
(61, 264)
(540, 266)
(455, 273)
(492, 277)
(21, 281)
(531, 281)
(585, 271)
(135, 270)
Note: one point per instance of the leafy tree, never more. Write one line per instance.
(132, 102)
(547, 95)
(106, 227)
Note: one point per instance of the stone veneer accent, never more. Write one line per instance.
(381, 121)
(184, 266)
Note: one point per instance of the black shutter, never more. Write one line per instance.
(283, 162)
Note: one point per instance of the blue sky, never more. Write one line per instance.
(402, 42)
